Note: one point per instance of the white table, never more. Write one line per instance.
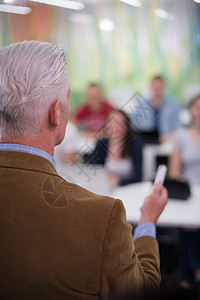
(177, 213)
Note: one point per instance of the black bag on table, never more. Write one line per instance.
(177, 188)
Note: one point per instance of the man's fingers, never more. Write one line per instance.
(154, 204)
(156, 189)
(159, 191)
(164, 194)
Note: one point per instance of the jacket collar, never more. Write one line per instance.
(25, 161)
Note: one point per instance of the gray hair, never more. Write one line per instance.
(33, 75)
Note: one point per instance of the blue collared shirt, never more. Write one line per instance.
(144, 229)
(165, 120)
(28, 149)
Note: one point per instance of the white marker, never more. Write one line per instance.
(160, 175)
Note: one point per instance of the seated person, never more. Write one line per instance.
(91, 116)
(185, 162)
(160, 113)
(121, 152)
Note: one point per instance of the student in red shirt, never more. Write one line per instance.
(91, 116)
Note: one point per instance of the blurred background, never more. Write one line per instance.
(114, 43)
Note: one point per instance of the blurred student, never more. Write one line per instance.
(160, 113)
(91, 116)
(185, 162)
(120, 152)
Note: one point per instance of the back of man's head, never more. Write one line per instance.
(33, 75)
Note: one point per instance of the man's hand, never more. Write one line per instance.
(154, 204)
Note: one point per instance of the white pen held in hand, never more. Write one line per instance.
(161, 174)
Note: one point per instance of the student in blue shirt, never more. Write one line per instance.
(159, 113)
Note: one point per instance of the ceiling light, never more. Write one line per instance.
(8, 1)
(106, 25)
(161, 13)
(62, 3)
(14, 9)
(81, 18)
(197, 1)
(136, 3)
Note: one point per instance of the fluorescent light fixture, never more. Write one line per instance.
(106, 25)
(161, 13)
(81, 18)
(14, 9)
(62, 3)
(136, 3)
(197, 1)
(8, 1)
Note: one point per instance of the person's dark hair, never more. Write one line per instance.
(129, 131)
(158, 77)
(93, 84)
(193, 100)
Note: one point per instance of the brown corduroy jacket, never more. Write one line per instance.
(60, 241)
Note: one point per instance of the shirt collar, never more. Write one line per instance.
(28, 149)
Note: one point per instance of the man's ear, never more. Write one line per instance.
(54, 113)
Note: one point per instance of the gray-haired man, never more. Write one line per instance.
(58, 240)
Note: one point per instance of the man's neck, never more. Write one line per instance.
(97, 107)
(33, 141)
(157, 102)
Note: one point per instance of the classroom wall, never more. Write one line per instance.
(140, 46)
